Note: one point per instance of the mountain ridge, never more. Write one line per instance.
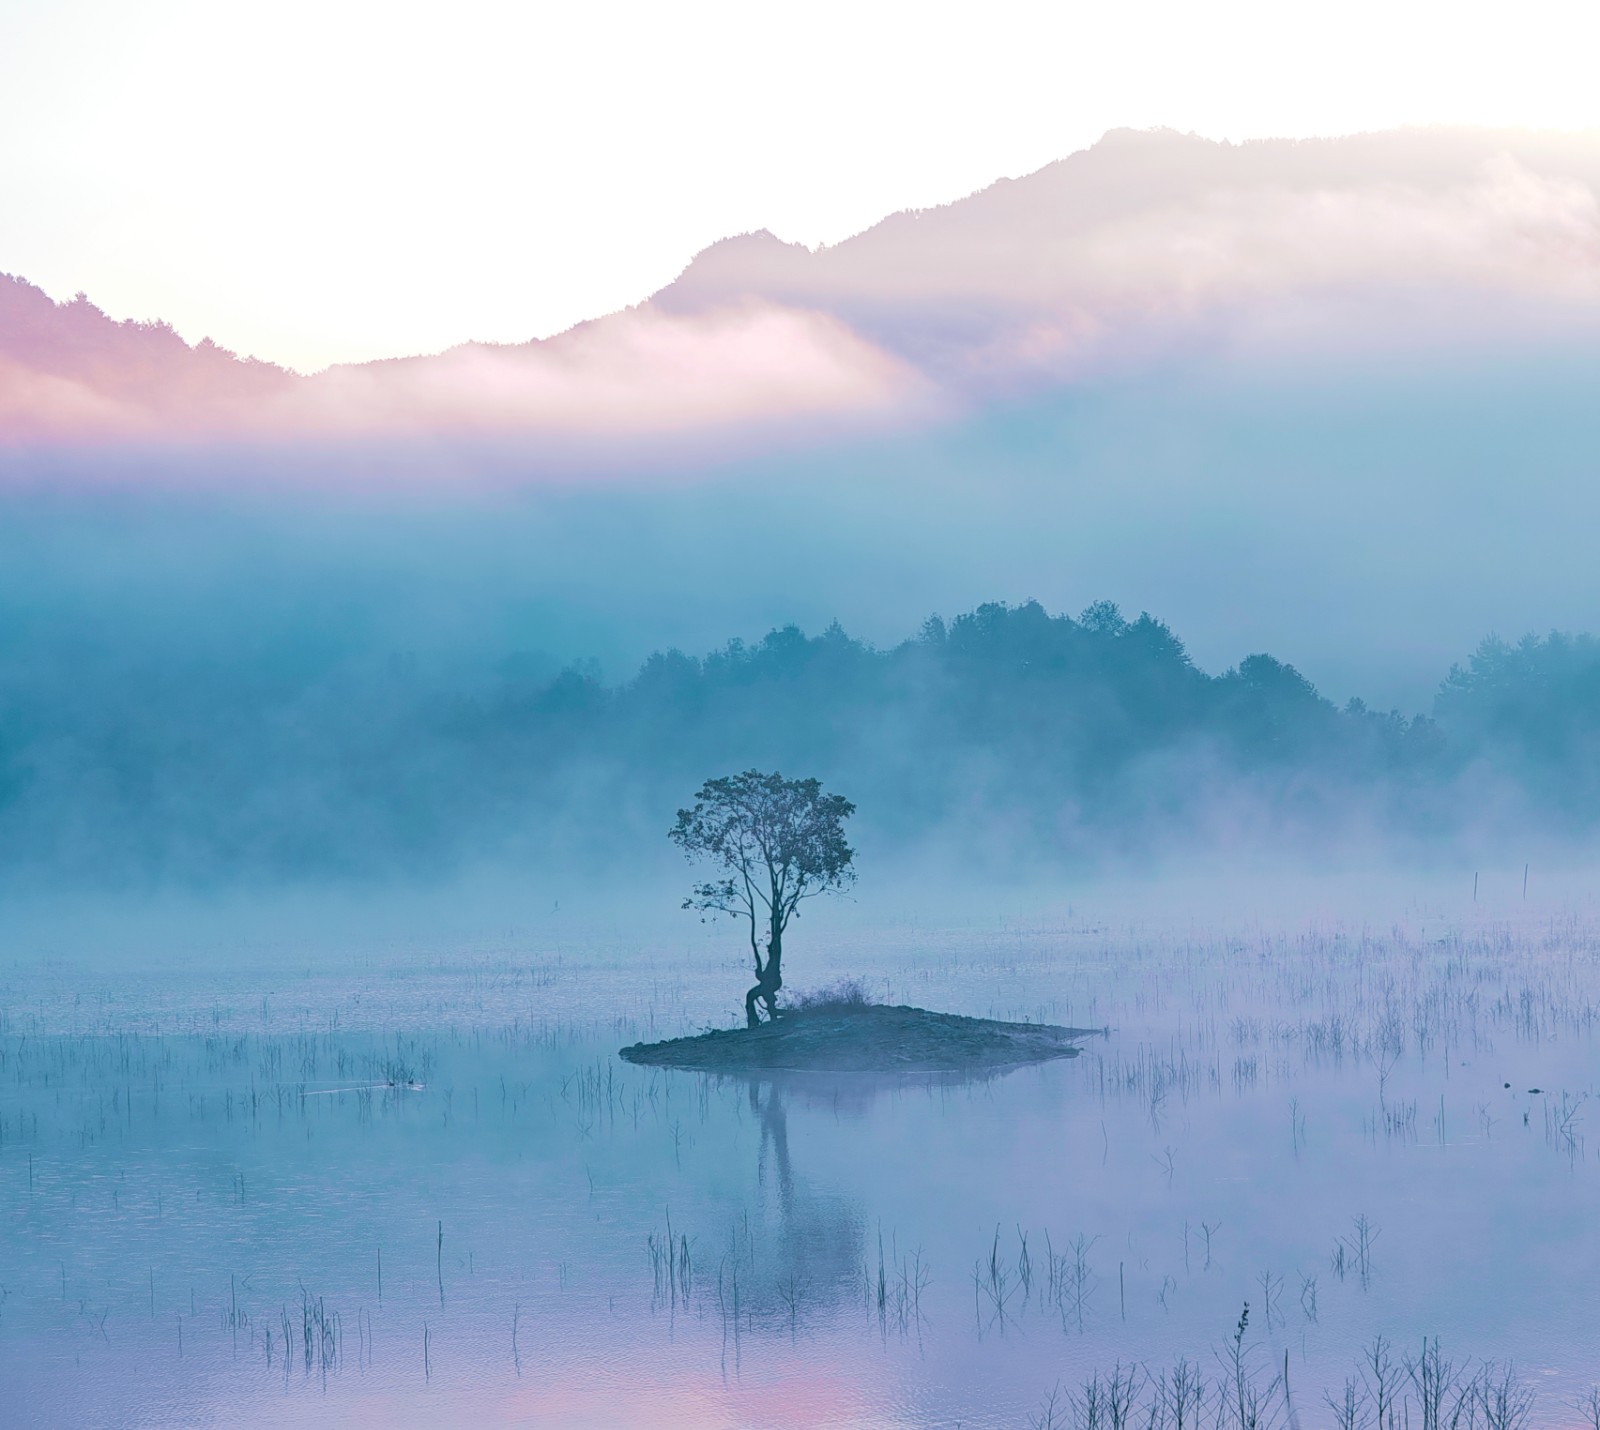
(1131, 244)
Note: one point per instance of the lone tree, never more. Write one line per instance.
(777, 841)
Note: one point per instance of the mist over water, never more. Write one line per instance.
(1375, 519)
(1182, 559)
(243, 678)
(335, 889)
(414, 1153)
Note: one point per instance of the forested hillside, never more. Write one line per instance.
(1010, 734)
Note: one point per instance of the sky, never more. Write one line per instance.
(322, 182)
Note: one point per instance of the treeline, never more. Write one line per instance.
(1008, 734)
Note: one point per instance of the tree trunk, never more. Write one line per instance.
(770, 981)
(774, 979)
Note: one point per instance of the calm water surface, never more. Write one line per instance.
(218, 1210)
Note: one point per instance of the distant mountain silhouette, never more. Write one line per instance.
(68, 367)
(1160, 228)
(1141, 246)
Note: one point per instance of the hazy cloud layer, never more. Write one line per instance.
(1145, 250)
(643, 371)
(69, 374)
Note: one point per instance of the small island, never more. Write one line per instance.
(773, 843)
(865, 1037)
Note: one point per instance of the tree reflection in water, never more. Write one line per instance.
(806, 1253)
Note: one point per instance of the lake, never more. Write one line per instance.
(395, 1176)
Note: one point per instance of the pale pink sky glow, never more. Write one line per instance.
(313, 184)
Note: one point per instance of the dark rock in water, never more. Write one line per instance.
(866, 1038)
